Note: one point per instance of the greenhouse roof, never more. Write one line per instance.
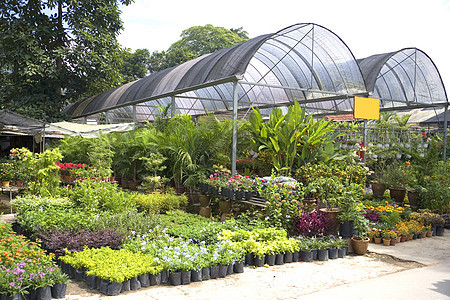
(303, 62)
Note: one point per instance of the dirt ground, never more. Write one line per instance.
(288, 281)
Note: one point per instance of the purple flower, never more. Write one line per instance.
(12, 284)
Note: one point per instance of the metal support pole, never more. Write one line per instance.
(43, 139)
(365, 140)
(106, 117)
(234, 144)
(445, 132)
(134, 114)
(173, 107)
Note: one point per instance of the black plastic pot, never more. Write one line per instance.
(164, 276)
(346, 229)
(214, 272)
(322, 255)
(175, 278)
(80, 275)
(155, 279)
(44, 293)
(144, 279)
(270, 259)
(223, 271)
(230, 269)
(306, 256)
(296, 256)
(288, 256)
(439, 230)
(332, 253)
(259, 261)
(114, 288)
(103, 286)
(59, 290)
(134, 284)
(249, 259)
(238, 267)
(125, 286)
(91, 281)
(206, 274)
(196, 275)
(185, 277)
(314, 254)
(279, 259)
(342, 252)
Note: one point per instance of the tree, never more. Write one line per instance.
(57, 51)
(196, 41)
(135, 64)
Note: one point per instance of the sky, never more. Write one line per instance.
(366, 27)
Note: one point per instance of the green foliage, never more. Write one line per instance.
(280, 135)
(57, 52)
(196, 41)
(159, 203)
(54, 217)
(282, 201)
(132, 223)
(98, 196)
(42, 171)
(195, 227)
(113, 265)
(293, 137)
(391, 218)
(135, 64)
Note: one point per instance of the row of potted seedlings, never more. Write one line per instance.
(146, 262)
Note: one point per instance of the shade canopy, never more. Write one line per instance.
(304, 62)
(406, 78)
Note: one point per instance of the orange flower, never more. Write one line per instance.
(284, 201)
(267, 202)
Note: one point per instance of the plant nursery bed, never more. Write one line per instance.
(288, 281)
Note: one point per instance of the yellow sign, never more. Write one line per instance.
(367, 108)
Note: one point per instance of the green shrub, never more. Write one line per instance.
(159, 203)
(139, 223)
(113, 265)
(101, 196)
(32, 203)
(195, 227)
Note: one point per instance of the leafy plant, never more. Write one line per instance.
(311, 223)
(159, 203)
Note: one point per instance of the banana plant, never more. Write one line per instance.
(280, 134)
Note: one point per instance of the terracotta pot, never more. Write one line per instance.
(398, 194)
(386, 242)
(378, 189)
(205, 212)
(19, 183)
(429, 233)
(333, 221)
(204, 200)
(360, 246)
(377, 240)
(5, 183)
(413, 198)
(403, 238)
(225, 206)
(132, 185)
(393, 242)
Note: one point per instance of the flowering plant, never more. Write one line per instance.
(281, 201)
(312, 223)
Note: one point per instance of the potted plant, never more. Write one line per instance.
(396, 176)
(360, 241)
(350, 207)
